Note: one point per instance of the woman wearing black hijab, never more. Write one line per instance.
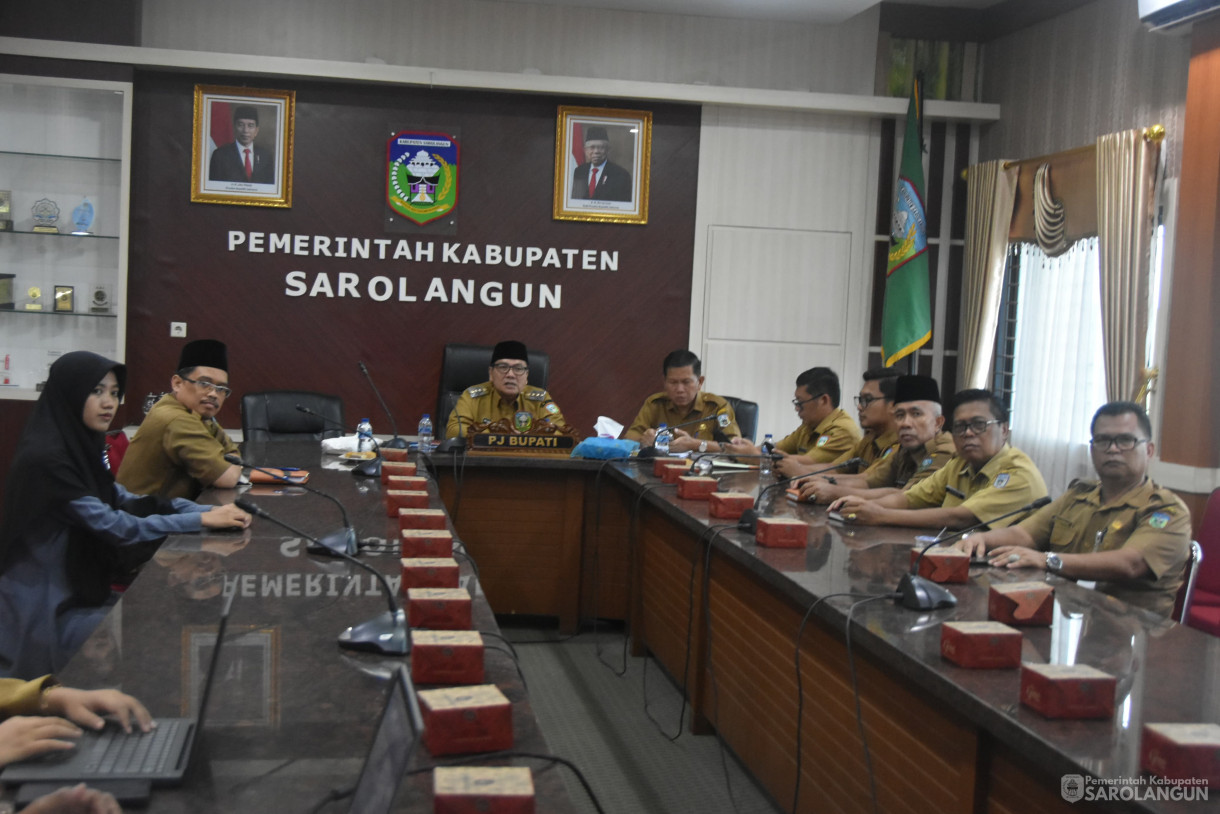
(66, 520)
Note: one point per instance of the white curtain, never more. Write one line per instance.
(991, 189)
(1059, 377)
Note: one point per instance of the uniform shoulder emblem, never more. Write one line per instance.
(551, 407)
(887, 452)
(477, 392)
(1159, 520)
(925, 463)
(1001, 480)
(723, 420)
(537, 394)
(822, 441)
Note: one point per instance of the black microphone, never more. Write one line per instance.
(387, 632)
(344, 539)
(367, 469)
(917, 593)
(395, 442)
(749, 518)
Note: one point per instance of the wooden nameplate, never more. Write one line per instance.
(501, 438)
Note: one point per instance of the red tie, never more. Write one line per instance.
(249, 166)
(592, 181)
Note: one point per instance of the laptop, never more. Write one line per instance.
(159, 757)
(393, 744)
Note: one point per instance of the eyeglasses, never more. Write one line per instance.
(505, 368)
(978, 426)
(1123, 443)
(862, 402)
(208, 387)
(799, 403)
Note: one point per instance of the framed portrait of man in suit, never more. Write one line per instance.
(602, 159)
(242, 147)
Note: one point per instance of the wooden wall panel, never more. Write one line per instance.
(604, 340)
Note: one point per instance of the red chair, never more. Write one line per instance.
(1204, 611)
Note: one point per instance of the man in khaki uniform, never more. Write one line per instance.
(683, 400)
(507, 394)
(1122, 530)
(923, 447)
(874, 406)
(826, 435)
(986, 478)
(180, 447)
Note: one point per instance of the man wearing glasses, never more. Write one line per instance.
(179, 449)
(986, 479)
(827, 433)
(1122, 530)
(506, 395)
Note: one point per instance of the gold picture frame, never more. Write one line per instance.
(219, 175)
(622, 141)
(65, 298)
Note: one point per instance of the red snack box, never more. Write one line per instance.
(671, 473)
(396, 469)
(659, 465)
(729, 505)
(405, 482)
(461, 720)
(1021, 603)
(482, 790)
(397, 456)
(429, 572)
(439, 608)
(781, 532)
(446, 657)
(425, 543)
(981, 645)
(696, 487)
(1182, 752)
(943, 564)
(1068, 690)
(396, 499)
(422, 519)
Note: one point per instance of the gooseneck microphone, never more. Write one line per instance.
(749, 518)
(387, 632)
(343, 539)
(367, 469)
(921, 594)
(395, 442)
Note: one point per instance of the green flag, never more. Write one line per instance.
(906, 320)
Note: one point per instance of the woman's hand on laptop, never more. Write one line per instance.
(86, 707)
(25, 736)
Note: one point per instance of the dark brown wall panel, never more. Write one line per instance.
(605, 340)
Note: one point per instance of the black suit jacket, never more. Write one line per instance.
(613, 183)
(227, 165)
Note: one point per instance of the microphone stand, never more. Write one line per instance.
(395, 442)
(922, 594)
(386, 633)
(749, 518)
(366, 469)
(343, 539)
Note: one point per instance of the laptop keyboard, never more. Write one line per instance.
(116, 752)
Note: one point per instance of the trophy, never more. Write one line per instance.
(35, 303)
(6, 292)
(82, 218)
(46, 213)
(6, 209)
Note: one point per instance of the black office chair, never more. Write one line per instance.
(273, 416)
(466, 365)
(747, 416)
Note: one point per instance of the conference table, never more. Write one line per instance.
(583, 540)
(291, 716)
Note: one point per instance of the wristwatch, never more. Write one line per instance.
(703, 446)
(1054, 562)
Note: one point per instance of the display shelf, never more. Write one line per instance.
(24, 154)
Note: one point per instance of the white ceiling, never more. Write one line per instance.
(807, 11)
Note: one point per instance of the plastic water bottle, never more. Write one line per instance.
(425, 433)
(764, 463)
(364, 436)
(662, 442)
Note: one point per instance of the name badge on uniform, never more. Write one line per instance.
(822, 441)
(522, 421)
(1159, 520)
(1001, 481)
(723, 420)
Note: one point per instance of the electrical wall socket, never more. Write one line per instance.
(178, 330)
